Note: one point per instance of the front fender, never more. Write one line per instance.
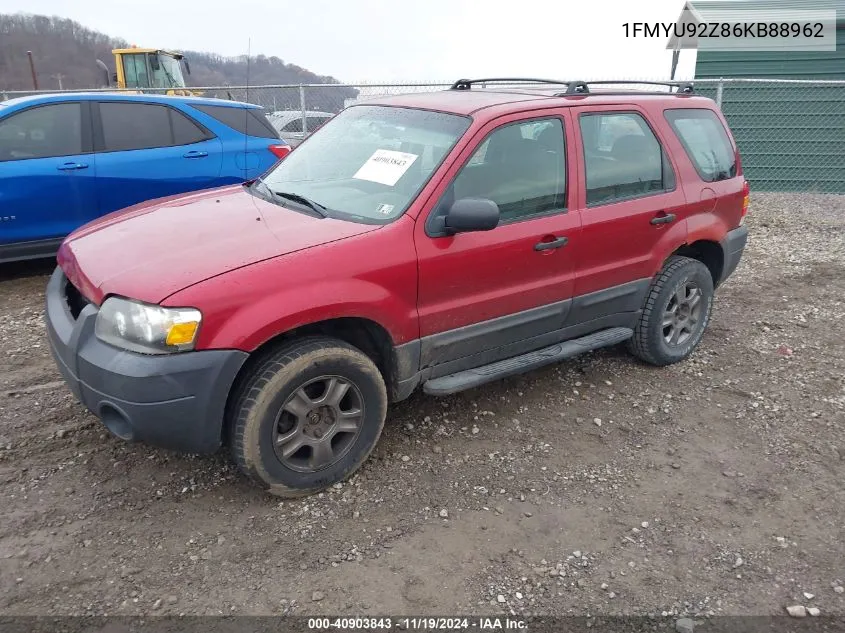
(254, 323)
(244, 308)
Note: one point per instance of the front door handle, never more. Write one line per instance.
(195, 154)
(557, 242)
(71, 166)
(666, 218)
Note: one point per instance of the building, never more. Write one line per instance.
(791, 137)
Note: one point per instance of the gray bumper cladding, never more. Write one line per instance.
(173, 401)
(733, 246)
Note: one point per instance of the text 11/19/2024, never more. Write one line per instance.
(480, 623)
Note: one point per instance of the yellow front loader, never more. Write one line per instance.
(143, 69)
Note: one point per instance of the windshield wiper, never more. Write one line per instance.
(279, 196)
(295, 197)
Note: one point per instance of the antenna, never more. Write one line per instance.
(246, 129)
(246, 111)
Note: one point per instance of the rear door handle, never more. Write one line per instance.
(71, 166)
(663, 219)
(195, 154)
(558, 242)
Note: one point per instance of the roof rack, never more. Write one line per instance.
(572, 87)
(466, 84)
(583, 87)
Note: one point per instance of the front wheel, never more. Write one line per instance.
(676, 312)
(308, 416)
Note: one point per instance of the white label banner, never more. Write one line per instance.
(385, 166)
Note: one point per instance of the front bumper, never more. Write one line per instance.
(733, 246)
(175, 401)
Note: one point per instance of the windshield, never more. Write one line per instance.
(369, 162)
(169, 72)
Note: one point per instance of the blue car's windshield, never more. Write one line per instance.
(369, 162)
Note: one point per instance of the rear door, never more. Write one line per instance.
(150, 150)
(487, 295)
(629, 202)
(47, 173)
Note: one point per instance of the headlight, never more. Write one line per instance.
(148, 329)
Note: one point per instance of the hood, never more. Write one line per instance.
(151, 250)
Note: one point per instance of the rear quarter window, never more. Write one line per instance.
(705, 141)
(249, 121)
(185, 130)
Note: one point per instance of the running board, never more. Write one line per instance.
(519, 364)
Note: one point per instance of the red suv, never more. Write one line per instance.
(439, 240)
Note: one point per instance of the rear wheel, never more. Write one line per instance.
(676, 313)
(308, 416)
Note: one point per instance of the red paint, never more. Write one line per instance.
(156, 249)
(472, 277)
(256, 270)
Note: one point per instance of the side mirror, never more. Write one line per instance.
(472, 214)
(187, 66)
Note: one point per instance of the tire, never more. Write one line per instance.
(678, 278)
(291, 427)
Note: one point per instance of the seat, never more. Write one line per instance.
(550, 139)
(634, 168)
(639, 152)
(531, 179)
(523, 176)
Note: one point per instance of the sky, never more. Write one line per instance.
(399, 41)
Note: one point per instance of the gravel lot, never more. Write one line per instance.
(596, 486)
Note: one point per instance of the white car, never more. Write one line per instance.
(288, 124)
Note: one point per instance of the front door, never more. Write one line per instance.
(486, 295)
(47, 174)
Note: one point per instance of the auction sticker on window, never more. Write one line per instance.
(385, 166)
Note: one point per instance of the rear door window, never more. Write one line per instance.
(130, 126)
(249, 121)
(623, 158)
(705, 141)
(134, 126)
(42, 132)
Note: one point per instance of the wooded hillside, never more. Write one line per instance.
(66, 51)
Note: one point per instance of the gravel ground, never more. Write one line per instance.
(596, 486)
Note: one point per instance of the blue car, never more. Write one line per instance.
(66, 159)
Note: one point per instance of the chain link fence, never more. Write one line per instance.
(791, 133)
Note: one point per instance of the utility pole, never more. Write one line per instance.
(32, 70)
